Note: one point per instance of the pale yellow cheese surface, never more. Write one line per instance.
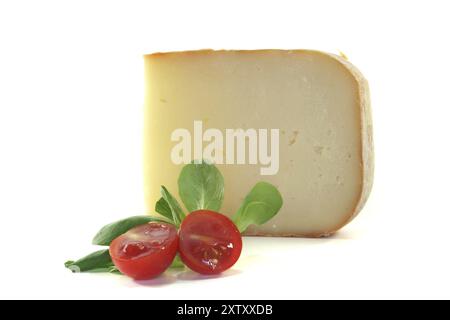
(319, 102)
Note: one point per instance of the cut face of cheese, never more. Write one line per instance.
(305, 118)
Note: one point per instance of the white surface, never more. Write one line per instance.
(71, 81)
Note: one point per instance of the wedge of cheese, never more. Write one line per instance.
(308, 112)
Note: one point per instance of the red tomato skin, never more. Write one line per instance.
(150, 265)
(222, 235)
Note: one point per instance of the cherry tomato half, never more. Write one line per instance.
(146, 251)
(209, 242)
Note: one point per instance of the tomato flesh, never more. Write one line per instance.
(146, 251)
(210, 243)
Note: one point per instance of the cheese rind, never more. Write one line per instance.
(318, 101)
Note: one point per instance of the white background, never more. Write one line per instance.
(71, 95)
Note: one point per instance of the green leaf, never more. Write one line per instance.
(259, 206)
(177, 213)
(177, 263)
(114, 270)
(110, 232)
(163, 208)
(99, 261)
(201, 186)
